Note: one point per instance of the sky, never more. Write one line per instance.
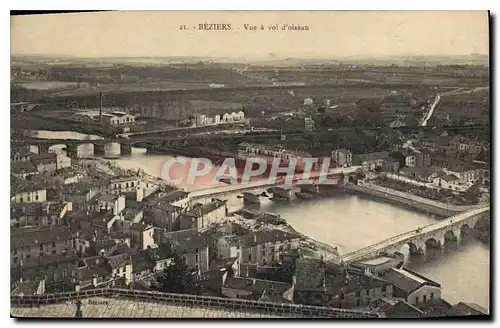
(331, 34)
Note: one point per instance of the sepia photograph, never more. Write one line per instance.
(250, 165)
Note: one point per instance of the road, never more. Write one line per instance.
(437, 99)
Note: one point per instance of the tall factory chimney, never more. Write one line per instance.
(100, 106)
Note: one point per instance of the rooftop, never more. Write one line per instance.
(28, 236)
(22, 168)
(407, 280)
(187, 240)
(36, 209)
(337, 284)
(449, 177)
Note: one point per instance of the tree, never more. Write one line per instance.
(176, 278)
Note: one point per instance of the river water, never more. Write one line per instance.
(351, 222)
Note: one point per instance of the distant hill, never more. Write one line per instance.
(472, 59)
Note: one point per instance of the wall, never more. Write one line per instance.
(412, 201)
(286, 310)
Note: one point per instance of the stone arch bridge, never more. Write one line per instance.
(434, 235)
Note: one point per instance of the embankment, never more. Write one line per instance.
(408, 200)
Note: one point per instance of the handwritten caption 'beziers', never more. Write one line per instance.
(245, 27)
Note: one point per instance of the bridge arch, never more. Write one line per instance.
(450, 235)
(56, 148)
(411, 247)
(434, 242)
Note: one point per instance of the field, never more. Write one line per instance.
(465, 108)
(131, 87)
(50, 85)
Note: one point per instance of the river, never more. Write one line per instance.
(351, 222)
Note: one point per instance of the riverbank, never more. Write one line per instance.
(319, 248)
(408, 200)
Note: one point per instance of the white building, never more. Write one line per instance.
(309, 124)
(308, 102)
(342, 157)
(118, 118)
(203, 216)
(412, 287)
(24, 192)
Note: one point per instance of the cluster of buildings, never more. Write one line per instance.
(112, 116)
(214, 112)
(450, 163)
(73, 228)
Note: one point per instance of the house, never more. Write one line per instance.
(231, 246)
(69, 176)
(121, 266)
(465, 172)
(124, 184)
(309, 124)
(308, 102)
(192, 246)
(450, 182)
(215, 112)
(426, 174)
(370, 161)
(108, 202)
(266, 246)
(142, 235)
(33, 242)
(163, 215)
(390, 164)
(417, 157)
(79, 194)
(309, 282)
(118, 118)
(177, 198)
(20, 155)
(203, 216)
(23, 169)
(257, 289)
(26, 192)
(412, 287)
(21, 107)
(342, 157)
(54, 269)
(38, 214)
(353, 289)
(45, 162)
(149, 261)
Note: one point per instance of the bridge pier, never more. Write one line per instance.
(72, 151)
(310, 189)
(112, 149)
(287, 193)
(125, 148)
(251, 198)
(99, 149)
